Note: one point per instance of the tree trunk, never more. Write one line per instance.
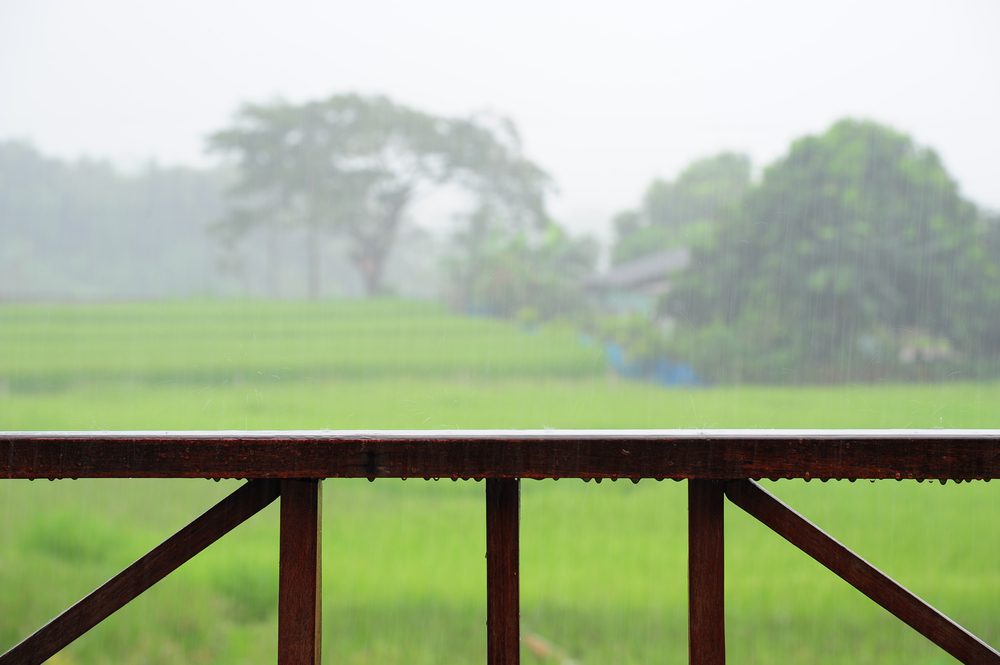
(373, 245)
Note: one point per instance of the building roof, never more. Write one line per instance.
(643, 270)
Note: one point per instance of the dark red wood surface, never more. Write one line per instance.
(503, 501)
(719, 455)
(300, 574)
(144, 573)
(812, 540)
(710, 459)
(706, 573)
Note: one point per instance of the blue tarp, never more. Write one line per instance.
(661, 370)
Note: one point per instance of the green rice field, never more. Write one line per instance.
(603, 574)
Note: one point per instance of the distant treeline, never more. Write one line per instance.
(86, 230)
(854, 256)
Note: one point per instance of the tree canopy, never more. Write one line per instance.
(534, 274)
(354, 165)
(683, 212)
(855, 249)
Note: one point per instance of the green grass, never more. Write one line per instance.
(509, 403)
(603, 565)
(45, 346)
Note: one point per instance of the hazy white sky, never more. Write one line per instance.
(608, 95)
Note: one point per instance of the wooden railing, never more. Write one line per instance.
(291, 465)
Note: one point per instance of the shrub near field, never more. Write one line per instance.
(603, 566)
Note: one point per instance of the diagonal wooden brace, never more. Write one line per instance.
(860, 574)
(159, 562)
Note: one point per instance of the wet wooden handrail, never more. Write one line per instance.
(677, 454)
(292, 464)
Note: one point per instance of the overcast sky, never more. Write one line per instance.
(608, 95)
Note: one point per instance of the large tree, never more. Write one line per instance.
(855, 245)
(354, 165)
(683, 212)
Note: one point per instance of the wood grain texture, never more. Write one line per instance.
(706, 573)
(677, 454)
(860, 574)
(503, 505)
(144, 573)
(300, 573)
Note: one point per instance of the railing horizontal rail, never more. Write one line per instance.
(716, 462)
(676, 454)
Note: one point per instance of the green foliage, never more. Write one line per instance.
(66, 536)
(538, 269)
(527, 317)
(641, 339)
(684, 212)
(246, 580)
(853, 233)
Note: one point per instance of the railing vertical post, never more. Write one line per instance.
(502, 586)
(299, 577)
(706, 607)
